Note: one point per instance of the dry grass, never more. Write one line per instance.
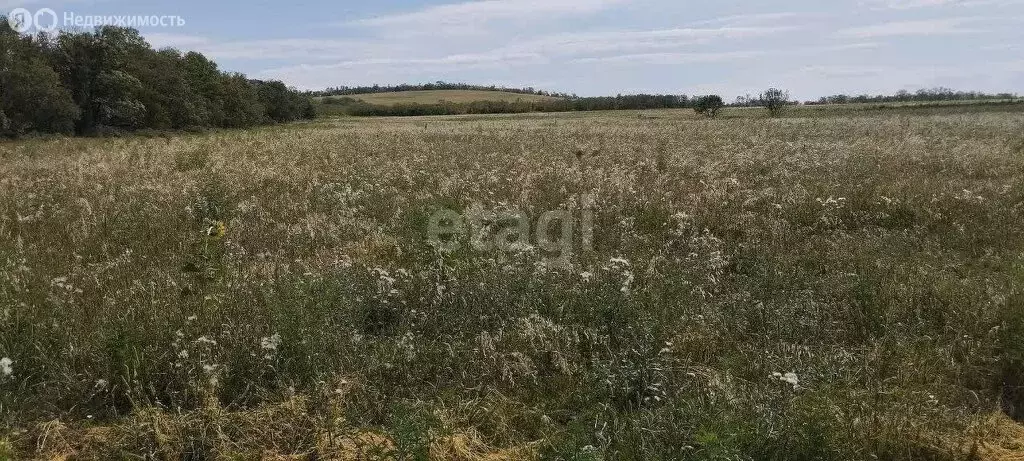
(876, 260)
(268, 434)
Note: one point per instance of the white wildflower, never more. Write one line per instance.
(521, 247)
(271, 343)
(384, 276)
(206, 341)
(619, 262)
(627, 282)
(682, 216)
(101, 384)
(791, 379)
(5, 367)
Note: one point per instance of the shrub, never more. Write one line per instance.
(709, 105)
(775, 100)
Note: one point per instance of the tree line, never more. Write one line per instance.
(111, 80)
(356, 107)
(773, 99)
(438, 85)
(924, 95)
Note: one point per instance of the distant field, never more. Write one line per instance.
(809, 110)
(916, 104)
(964, 102)
(435, 96)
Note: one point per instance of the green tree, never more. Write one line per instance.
(242, 107)
(112, 78)
(33, 100)
(170, 100)
(116, 100)
(206, 80)
(774, 100)
(282, 103)
(709, 105)
(96, 67)
(31, 96)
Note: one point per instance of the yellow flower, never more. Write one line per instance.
(216, 230)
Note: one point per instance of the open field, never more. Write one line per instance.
(436, 96)
(844, 287)
(795, 111)
(919, 108)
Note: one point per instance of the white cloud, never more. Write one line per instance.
(672, 58)
(522, 64)
(609, 46)
(724, 56)
(395, 52)
(914, 4)
(843, 71)
(384, 70)
(642, 40)
(180, 41)
(927, 27)
(910, 4)
(476, 14)
(307, 49)
(748, 20)
(7, 5)
(295, 48)
(1003, 47)
(453, 62)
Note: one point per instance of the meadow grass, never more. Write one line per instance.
(798, 288)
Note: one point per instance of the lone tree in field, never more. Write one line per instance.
(775, 100)
(709, 105)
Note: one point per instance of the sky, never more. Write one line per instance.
(600, 47)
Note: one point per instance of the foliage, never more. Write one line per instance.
(33, 100)
(709, 105)
(31, 97)
(110, 79)
(283, 105)
(621, 102)
(774, 100)
(922, 95)
(439, 85)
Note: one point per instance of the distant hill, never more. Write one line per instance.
(436, 96)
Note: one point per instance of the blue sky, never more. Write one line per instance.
(597, 47)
